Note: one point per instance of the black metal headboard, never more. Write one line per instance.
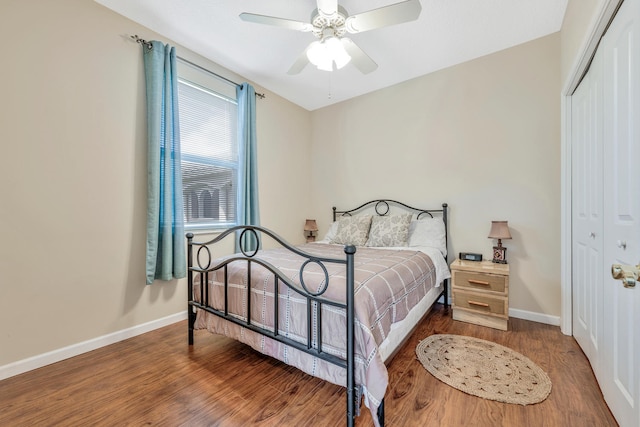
(382, 207)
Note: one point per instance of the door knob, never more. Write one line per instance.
(627, 273)
(621, 244)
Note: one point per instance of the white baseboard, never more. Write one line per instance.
(535, 317)
(25, 365)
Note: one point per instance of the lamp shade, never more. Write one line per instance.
(499, 230)
(325, 52)
(338, 52)
(310, 225)
(319, 56)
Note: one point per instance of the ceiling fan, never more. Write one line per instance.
(330, 22)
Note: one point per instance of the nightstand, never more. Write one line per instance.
(480, 293)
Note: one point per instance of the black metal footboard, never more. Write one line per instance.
(200, 265)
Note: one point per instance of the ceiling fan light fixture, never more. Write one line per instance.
(338, 52)
(324, 53)
(319, 56)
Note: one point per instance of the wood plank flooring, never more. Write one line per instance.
(157, 379)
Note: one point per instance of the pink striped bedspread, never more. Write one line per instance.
(388, 283)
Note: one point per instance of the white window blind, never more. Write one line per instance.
(209, 148)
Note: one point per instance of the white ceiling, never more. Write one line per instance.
(448, 32)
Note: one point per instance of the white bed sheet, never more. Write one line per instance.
(400, 330)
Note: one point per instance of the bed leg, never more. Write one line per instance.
(191, 315)
(191, 321)
(446, 295)
(381, 413)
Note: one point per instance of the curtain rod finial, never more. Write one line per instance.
(142, 41)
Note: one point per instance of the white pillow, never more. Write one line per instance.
(428, 232)
(331, 232)
(389, 230)
(352, 230)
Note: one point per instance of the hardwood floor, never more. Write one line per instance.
(156, 379)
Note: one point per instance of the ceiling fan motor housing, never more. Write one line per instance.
(329, 25)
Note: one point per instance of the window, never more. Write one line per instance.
(208, 133)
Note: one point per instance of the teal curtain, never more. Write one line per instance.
(248, 210)
(166, 257)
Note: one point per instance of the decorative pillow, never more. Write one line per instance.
(389, 230)
(428, 232)
(331, 232)
(352, 230)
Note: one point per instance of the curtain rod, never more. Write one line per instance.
(226, 80)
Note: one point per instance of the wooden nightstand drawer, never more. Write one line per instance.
(485, 304)
(485, 282)
(480, 292)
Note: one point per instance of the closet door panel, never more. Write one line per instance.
(621, 361)
(587, 228)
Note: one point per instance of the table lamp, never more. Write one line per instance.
(310, 230)
(499, 230)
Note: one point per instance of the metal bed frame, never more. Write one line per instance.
(200, 253)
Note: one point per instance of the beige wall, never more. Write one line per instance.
(73, 177)
(483, 136)
(579, 19)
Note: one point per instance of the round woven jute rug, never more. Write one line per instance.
(484, 369)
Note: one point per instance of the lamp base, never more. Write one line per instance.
(499, 254)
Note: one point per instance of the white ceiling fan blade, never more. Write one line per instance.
(383, 17)
(277, 22)
(328, 7)
(358, 58)
(300, 63)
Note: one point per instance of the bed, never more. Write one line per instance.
(344, 304)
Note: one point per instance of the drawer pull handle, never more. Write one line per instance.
(478, 282)
(480, 304)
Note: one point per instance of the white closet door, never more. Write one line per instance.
(587, 221)
(605, 124)
(621, 334)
